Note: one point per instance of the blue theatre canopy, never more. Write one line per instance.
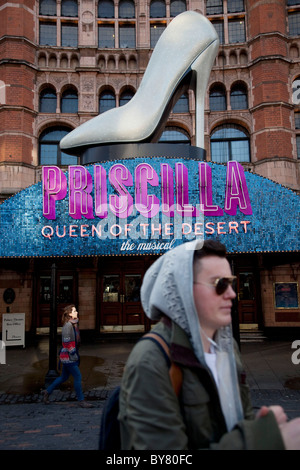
(148, 206)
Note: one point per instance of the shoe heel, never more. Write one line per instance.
(189, 44)
(202, 67)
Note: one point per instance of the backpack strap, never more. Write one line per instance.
(175, 372)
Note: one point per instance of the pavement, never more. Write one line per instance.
(27, 424)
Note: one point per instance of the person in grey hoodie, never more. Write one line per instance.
(188, 292)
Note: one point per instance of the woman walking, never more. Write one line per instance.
(69, 356)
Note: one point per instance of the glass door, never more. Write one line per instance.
(132, 309)
(43, 317)
(246, 291)
(120, 307)
(111, 307)
(65, 295)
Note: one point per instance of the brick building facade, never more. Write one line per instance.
(63, 62)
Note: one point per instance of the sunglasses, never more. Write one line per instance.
(221, 284)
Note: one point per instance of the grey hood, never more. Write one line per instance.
(168, 289)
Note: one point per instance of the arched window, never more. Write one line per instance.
(175, 135)
(69, 8)
(238, 97)
(182, 105)
(157, 9)
(47, 101)
(107, 101)
(217, 99)
(230, 142)
(48, 7)
(125, 97)
(49, 150)
(235, 6)
(177, 6)
(106, 9)
(69, 102)
(126, 9)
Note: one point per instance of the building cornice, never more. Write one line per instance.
(6, 107)
(271, 104)
(8, 37)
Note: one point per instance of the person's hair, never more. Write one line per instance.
(209, 248)
(66, 313)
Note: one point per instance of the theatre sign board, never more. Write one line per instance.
(148, 206)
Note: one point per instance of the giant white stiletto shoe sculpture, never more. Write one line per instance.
(189, 44)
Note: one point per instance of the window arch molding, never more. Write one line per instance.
(294, 50)
(237, 84)
(47, 7)
(175, 134)
(157, 9)
(106, 9)
(126, 9)
(127, 89)
(106, 88)
(69, 8)
(177, 7)
(125, 95)
(68, 86)
(44, 86)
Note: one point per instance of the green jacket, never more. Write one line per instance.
(152, 417)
